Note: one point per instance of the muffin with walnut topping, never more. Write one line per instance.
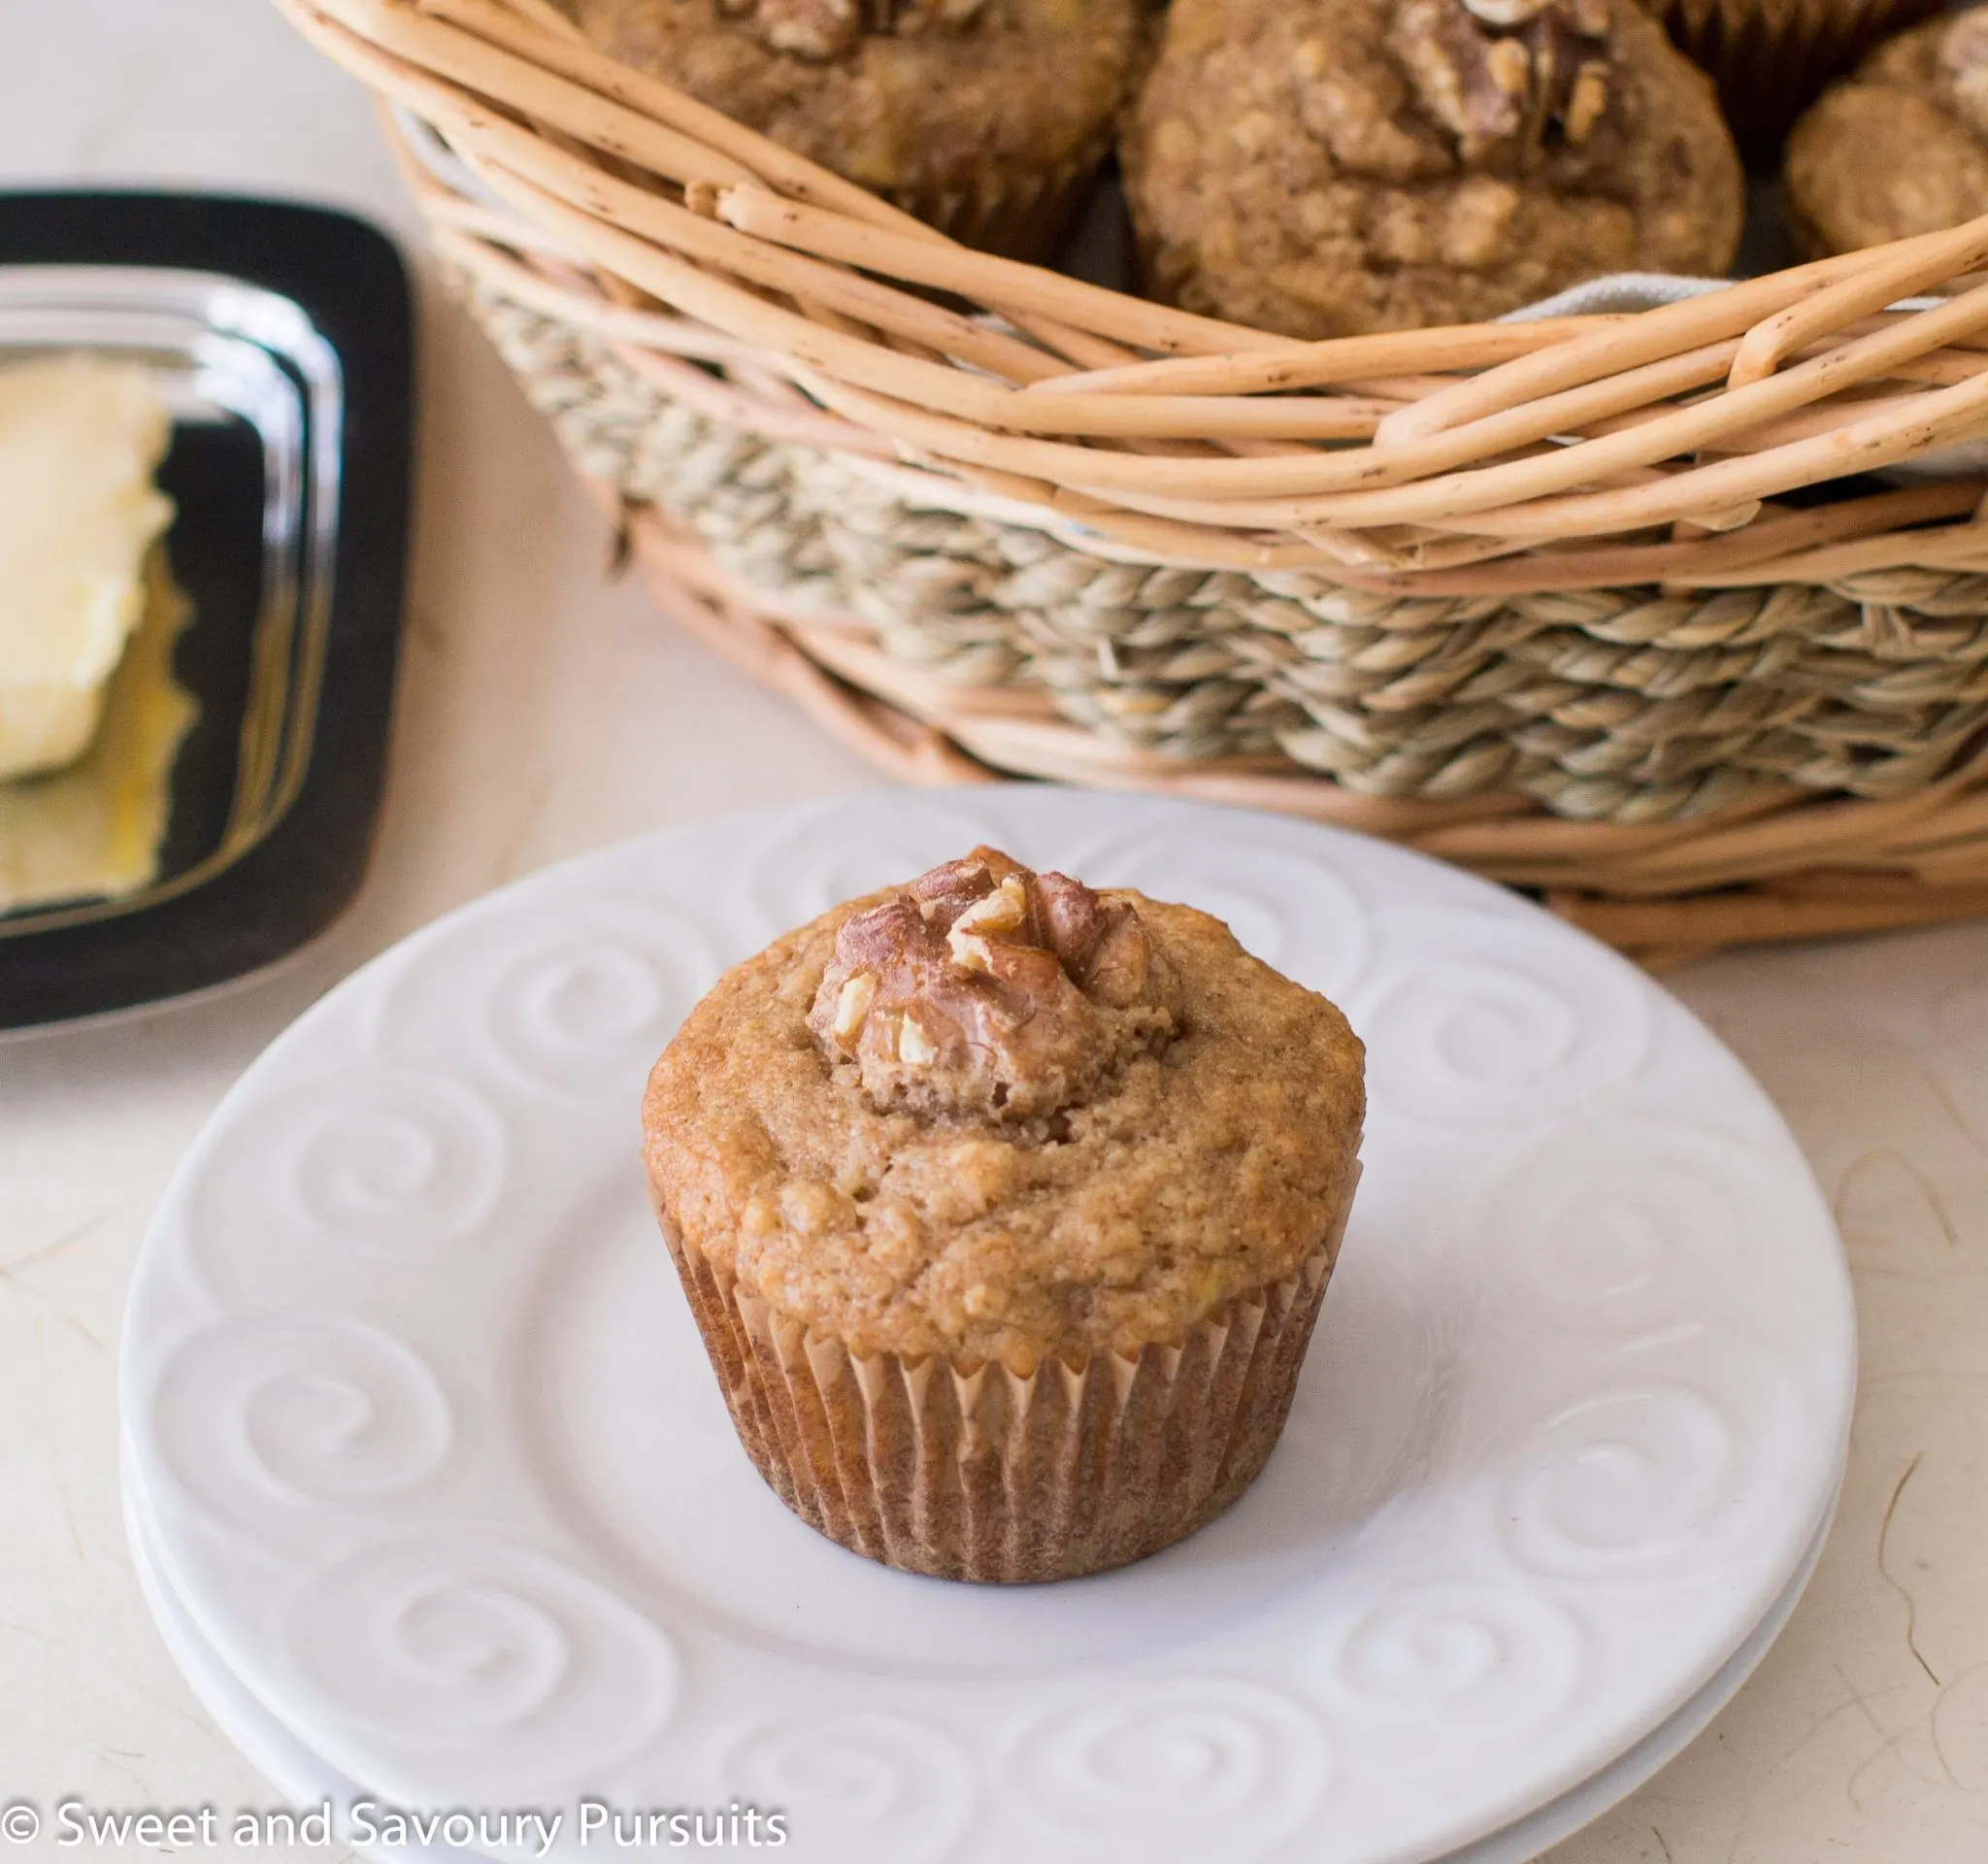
(1327, 167)
(986, 118)
(1005, 1208)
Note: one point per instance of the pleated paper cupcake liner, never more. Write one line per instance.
(1016, 212)
(976, 1472)
(1772, 58)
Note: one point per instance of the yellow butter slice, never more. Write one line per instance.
(97, 830)
(80, 440)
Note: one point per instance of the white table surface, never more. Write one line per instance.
(544, 710)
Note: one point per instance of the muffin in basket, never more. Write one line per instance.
(1900, 148)
(1006, 1209)
(986, 118)
(1327, 167)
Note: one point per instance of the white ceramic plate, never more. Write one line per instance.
(305, 1780)
(437, 1471)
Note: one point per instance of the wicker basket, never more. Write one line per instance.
(1531, 596)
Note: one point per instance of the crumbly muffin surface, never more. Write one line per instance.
(1206, 1157)
(1326, 167)
(894, 94)
(1900, 146)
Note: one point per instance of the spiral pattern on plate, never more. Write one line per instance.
(503, 1665)
(1459, 1660)
(263, 1417)
(1614, 1483)
(395, 1167)
(882, 1787)
(1482, 1021)
(1221, 1767)
(1620, 1230)
(574, 998)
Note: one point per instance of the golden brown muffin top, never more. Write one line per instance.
(1111, 1123)
(1324, 167)
(1900, 146)
(894, 94)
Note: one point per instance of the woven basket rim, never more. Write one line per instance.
(1444, 459)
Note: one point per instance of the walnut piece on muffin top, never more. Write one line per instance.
(995, 1114)
(1900, 146)
(986, 989)
(1327, 167)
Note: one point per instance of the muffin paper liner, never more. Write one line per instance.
(1771, 58)
(976, 1472)
(1018, 213)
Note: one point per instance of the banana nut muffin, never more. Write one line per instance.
(1326, 167)
(987, 118)
(1900, 146)
(1005, 1208)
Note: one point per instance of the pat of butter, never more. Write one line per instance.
(95, 830)
(80, 440)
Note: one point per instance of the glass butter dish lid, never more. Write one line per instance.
(224, 814)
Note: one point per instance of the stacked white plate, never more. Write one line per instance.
(439, 1505)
